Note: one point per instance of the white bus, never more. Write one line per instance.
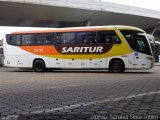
(1, 56)
(156, 51)
(116, 48)
(151, 38)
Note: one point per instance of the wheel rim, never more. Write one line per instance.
(39, 67)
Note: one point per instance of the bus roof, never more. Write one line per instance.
(25, 30)
(122, 27)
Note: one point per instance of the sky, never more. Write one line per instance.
(149, 4)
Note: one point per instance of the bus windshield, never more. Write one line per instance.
(137, 41)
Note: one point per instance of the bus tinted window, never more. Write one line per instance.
(108, 37)
(69, 38)
(29, 39)
(86, 37)
(130, 37)
(60, 38)
(45, 39)
(142, 44)
(14, 39)
(65, 38)
(137, 42)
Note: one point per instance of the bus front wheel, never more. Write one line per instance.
(116, 66)
(39, 66)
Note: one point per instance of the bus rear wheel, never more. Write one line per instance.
(116, 66)
(39, 66)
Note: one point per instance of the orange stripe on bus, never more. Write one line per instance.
(62, 30)
(41, 50)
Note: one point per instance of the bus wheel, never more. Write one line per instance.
(39, 66)
(116, 66)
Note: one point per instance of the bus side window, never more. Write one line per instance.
(70, 38)
(13, 40)
(50, 38)
(91, 37)
(29, 39)
(80, 37)
(86, 37)
(45, 39)
(108, 37)
(60, 38)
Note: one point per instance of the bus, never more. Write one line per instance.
(114, 48)
(153, 45)
(1, 56)
(151, 39)
(156, 51)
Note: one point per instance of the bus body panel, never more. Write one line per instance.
(56, 63)
(72, 63)
(103, 63)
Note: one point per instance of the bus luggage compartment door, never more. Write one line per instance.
(90, 63)
(22, 60)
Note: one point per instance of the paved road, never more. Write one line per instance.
(68, 95)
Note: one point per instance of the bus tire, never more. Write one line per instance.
(116, 66)
(39, 66)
